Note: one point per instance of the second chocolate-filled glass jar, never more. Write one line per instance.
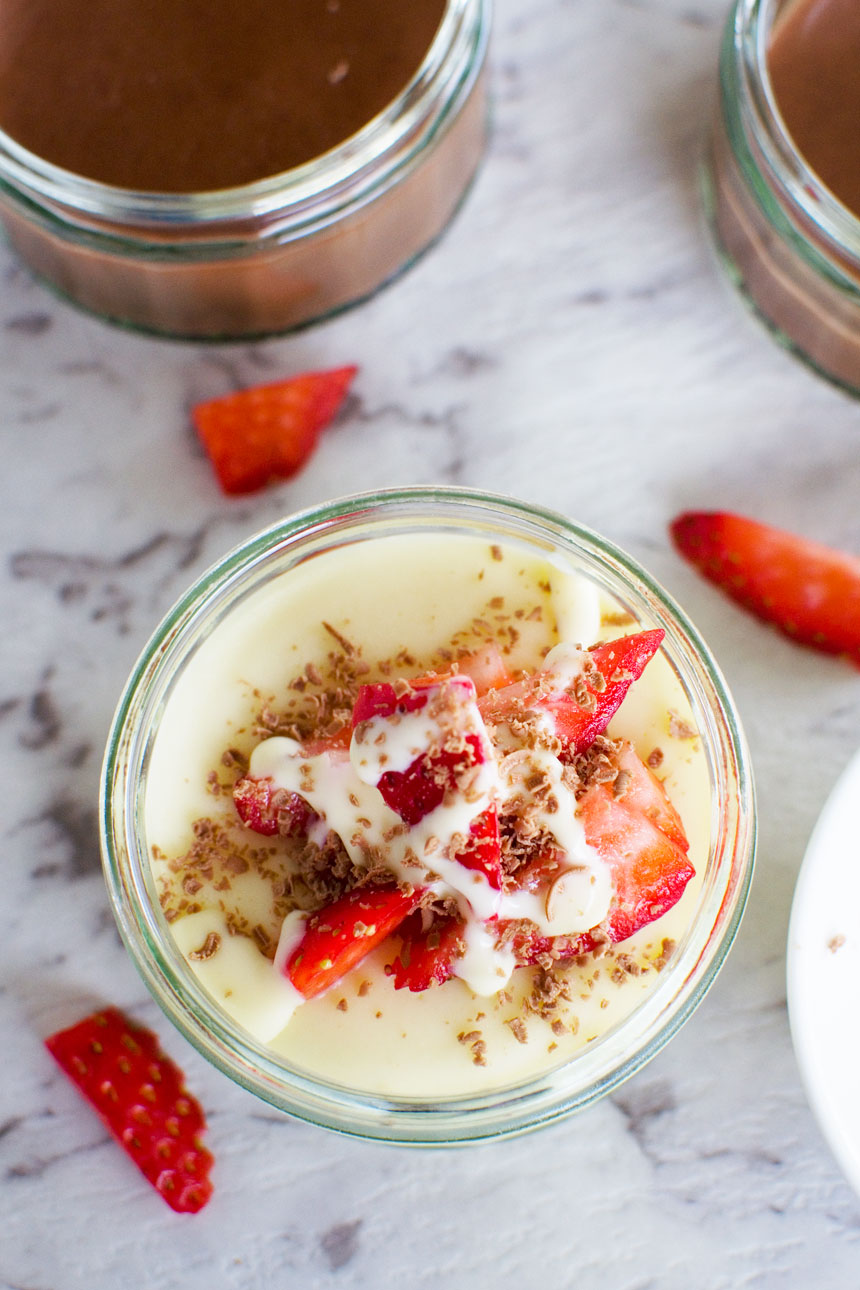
(790, 245)
(271, 255)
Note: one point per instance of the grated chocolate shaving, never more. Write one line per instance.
(210, 946)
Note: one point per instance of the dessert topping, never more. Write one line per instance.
(480, 831)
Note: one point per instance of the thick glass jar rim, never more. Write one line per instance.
(799, 189)
(307, 196)
(499, 1113)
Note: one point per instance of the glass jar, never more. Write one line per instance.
(287, 548)
(790, 246)
(273, 255)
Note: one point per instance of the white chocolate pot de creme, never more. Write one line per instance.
(415, 836)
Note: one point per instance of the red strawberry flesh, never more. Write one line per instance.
(649, 871)
(141, 1097)
(427, 955)
(649, 874)
(808, 591)
(258, 435)
(381, 699)
(338, 937)
(638, 786)
(269, 810)
(482, 850)
(418, 790)
(612, 668)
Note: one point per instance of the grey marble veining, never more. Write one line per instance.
(569, 340)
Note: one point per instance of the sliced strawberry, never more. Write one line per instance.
(141, 1097)
(418, 790)
(809, 591)
(422, 787)
(649, 874)
(486, 667)
(482, 851)
(258, 435)
(381, 699)
(270, 810)
(638, 786)
(334, 746)
(337, 938)
(613, 667)
(427, 955)
(538, 872)
(649, 871)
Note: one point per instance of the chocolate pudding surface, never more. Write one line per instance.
(157, 96)
(813, 62)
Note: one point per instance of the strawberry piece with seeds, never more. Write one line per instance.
(486, 667)
(381, 699)
(269, 810)
(638, 786)
(427, 780)
(808, 591)
(482, 850)
(649, 871)
(427, 954)
(338, 937)
(141, 1097)
(649, 874)
(267, 433)
(609, 671)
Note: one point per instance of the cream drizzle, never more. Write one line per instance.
(576, 605)
(343, 792)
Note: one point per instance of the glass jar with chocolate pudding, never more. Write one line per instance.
(783, 180)
(235, 167)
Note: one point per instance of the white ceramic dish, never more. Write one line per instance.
(824, 971)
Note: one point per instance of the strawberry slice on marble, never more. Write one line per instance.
(579, 704)
(339, 936)
(140, 1096)
(808, 591)
(268, 432)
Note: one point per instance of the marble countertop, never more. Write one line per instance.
(569, 340)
